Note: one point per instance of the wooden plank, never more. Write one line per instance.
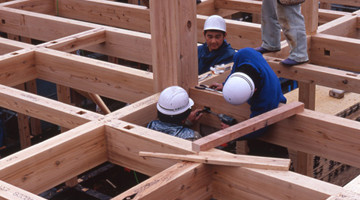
(44, 108)
(173, 41)
(8, 191)
(248, 126)
(56, 160)
(17, 67)
(326, 16)
(8, 45)
(194, 179)
(106, 79)
(257, 162)
(239, 183)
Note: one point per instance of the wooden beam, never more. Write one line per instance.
(320, 75)
(324, 135)
(57, 159)
(126, 140)
(245, 183)
(343, 2)
(140, 112)
(44, 108)
(115, 14)
(195, 180)
(17, 67)
(77, 41)
(310, 11)
(248, 6)
(344, 26)
(257, 162)
(31, 25)
(39, 6)
(8, 191)
(98, 77)
(248, 126)
(335, 51)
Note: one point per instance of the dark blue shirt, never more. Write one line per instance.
(207, 59)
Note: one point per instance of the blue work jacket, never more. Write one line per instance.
(207, 59)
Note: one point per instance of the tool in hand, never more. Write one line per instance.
(205, 87)
(223, 118)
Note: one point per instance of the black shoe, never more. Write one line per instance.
(263, 50)
(290, 62)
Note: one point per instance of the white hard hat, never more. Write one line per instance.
(174, 100)
(215, 22)
(238, 88)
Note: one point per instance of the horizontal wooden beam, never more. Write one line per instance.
(17, 67)
(319, 75)
(56, 160)
(319, 134)
(126, 140)
(8, 45)
(77, 41)
(140, 112)
(335, 51)
(194, 178)
(39, 26)
(257, 162)
(106, 79)
(115, 14)
(39, 6)
(248, 6)
(245, 183)
(44, 108)
(8, 191)
(343, 2)
(248, 126)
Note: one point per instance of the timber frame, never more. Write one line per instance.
(123, 30)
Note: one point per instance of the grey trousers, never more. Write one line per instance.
(276, 17)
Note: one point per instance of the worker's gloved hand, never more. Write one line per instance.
(216, 86)
(194, 116)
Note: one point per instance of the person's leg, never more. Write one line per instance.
(270, 27)
(293, 27)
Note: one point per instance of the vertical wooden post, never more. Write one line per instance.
(310, 11)
(173, 40)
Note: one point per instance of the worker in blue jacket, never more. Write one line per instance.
(253, 81)
(215, 50)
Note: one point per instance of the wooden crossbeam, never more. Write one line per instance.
(228, 160)
(248, 126)
(8, 191)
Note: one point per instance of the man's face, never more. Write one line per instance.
(214, 39)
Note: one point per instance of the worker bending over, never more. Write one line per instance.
(215, 50)
(253, 81)
(175, 115)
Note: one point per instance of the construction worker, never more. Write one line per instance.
(276, 17)
(215, 50)
(253, 81)
(175, 115)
